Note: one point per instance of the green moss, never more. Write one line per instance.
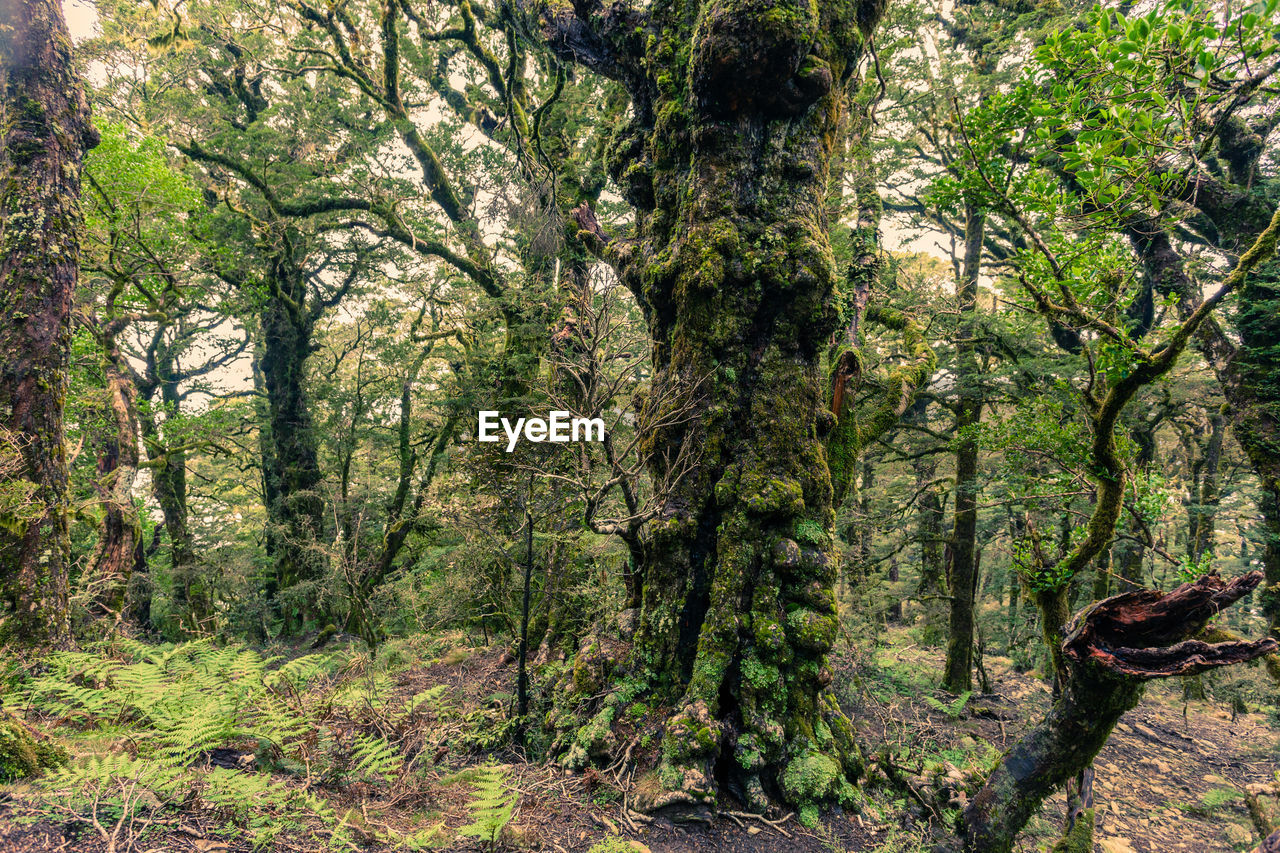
(1080, 838)
(22, 754)
(592, 740)
(814, 778)
(759, 675)
(614, 844)
(810, 630)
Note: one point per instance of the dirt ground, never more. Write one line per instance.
(1165, 781)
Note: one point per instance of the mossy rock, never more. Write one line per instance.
(23, 753)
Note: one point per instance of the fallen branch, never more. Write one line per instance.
(1111, 649)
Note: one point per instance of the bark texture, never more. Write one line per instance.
(958, 670)
(44, 119)
(295, 507)
(1111, 649)
(120, 534)
(738, 110)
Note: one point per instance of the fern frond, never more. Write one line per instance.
(493, 806)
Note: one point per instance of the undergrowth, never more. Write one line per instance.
(251, 740)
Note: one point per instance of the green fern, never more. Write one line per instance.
(180, 702)
(953, 710)
(493, 806)
(239, 794)
(374, 757)
(432, 698)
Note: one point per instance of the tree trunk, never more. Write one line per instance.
(738, 109)
(1111, 649)
(1102, 575)
(121, 532)
(958, 671)
(190, 591)
(45, 134)
(295, 508)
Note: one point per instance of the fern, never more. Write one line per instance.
(179, 703)
(238, 794)
(493, 806)
(375, 757)
(953, 710)
(426, 698)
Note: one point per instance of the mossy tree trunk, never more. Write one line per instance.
(295, 507)
(44, 119)
(159, 389)
(739, 108)
(958, 671)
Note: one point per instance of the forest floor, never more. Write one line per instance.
(1171, 778)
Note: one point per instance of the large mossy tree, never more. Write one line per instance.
(746, 122)
(44, 132)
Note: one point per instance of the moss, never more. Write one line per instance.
(24, 754)
(774, 496)
(1080, 838)
(812, 779)
(616, 844)
(593, 740)
(759, 675)
(811, 631)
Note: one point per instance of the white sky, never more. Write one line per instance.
(82, 17)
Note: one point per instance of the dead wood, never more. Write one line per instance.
(1111, 649)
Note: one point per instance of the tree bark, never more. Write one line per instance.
(121, 530)
(1111, 649)
(190, 590)
(291, 470)
(738, 109)
(958, 671)
(45, 126)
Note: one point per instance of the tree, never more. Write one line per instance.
(743, 115)
(957, 675)
(1080, 275)
(152, 309)
(46, 132)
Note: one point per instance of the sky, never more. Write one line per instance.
(81, 18)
